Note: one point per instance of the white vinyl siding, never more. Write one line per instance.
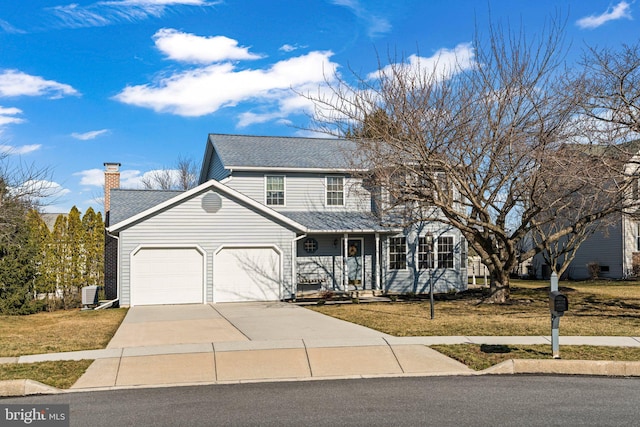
(188, 224)
(303, 192)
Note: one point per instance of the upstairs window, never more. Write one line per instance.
(335, 191)
(425, 252)
(274, 190)
(398, 253)
(445, 252)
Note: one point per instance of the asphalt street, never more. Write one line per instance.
(434, 401)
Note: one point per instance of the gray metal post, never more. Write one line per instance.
(431, 301)
(555, 322)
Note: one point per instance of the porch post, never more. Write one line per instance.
(345, 267)
(377, 272)
(294, 272)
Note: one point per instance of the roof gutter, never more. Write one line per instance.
(289, 169)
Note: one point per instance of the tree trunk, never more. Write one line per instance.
(498, 287)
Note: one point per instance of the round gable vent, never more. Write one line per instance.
(211, 202)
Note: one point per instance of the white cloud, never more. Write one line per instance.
(23, 149)
(619, 11)
(8, 28)
(91, 177)
(442, 64)
(376, 25)
(204, 90)
(129, 178)
(159, 2)
(7, 116)
(17, 83)
(41, 192)
(290, 48)
(199, 50)
(104, 13)
(89, 135)
(286, 103)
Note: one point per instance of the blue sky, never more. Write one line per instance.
(142, 82)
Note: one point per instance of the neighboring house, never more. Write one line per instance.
(614, 250)
(51, 218)
(272, 217)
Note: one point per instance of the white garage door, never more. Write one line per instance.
(167, 276)
(246, 274)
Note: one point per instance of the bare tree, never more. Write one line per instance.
(183, 176)
(187, 173)
(487, 146)
(160, 179)
(612, 88)
(22, 187)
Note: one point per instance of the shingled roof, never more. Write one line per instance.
(127, 203)
(320, 222)
(243, 151)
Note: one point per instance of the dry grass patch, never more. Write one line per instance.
(481, 357)
(595, 308)
(62, 374)
(59, 331)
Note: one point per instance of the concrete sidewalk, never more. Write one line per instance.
(238, 361)
(278, 360)
(230, 343)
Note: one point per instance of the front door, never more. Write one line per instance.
(355, 264)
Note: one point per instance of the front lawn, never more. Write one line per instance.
(60, 374)
(595, 308)
(58, 331)
(483, 356)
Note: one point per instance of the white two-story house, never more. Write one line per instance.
(271, 217)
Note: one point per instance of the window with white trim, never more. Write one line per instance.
(335, 191)
(274, 185)
(445, 252)
(425, 252)
(398, 253)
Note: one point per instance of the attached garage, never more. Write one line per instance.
(247, 274)
(167, 276)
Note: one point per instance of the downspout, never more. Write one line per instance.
(294, 262)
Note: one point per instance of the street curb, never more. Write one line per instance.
(9, 388)
(12, 388)
(565, 367)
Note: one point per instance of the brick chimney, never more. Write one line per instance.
(111, 180)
